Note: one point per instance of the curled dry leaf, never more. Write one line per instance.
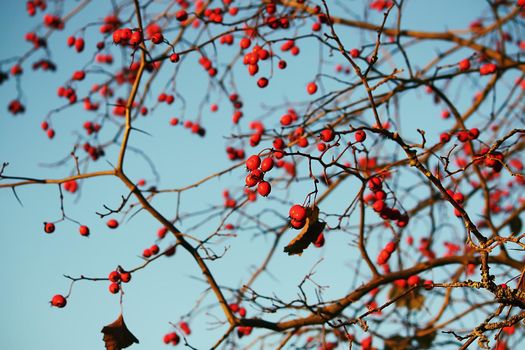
(117, 336)
(308, 234)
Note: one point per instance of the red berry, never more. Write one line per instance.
(413, 280)
(154, 249)
(146, 253)
(114, 288)
(296, 224)
(112, 223)
(327, 135)
(181, 15)
(157, 38)
(174, 57)
(311, 88)
(360, 135)
(58, 301)
(319, 242)
(267, 164)
(264, 188)
(49, 227)
(185, 327)
(114, 276)
(297, 212)
(464, 65)
(84, 230)
(253, 162)
(262, 83)
(245, 43)
(125, 277)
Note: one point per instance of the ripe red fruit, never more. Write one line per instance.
(487, 68)
(50, 133)
(114, 276)
(413, 280)
(59, 301)
(319, 242)
(375, 184)
(146, 253)
(311, 88)
(286, 120)
(262, 83)
(327, 135)
(70, 41)
(297, 212)
(84, 230)
(282, 64)
(174, 57)
(185, 327)
(473, 133)
(296, 224)
(112, 223)
(354, 53)
(360, 135)
(464, 65)
(154, 249)
(125, 277)
(253, 162)
(172, 338)
(463, 136)
(444, 137)
(114, 288)
(157, 38)
(264, 188)
(245, 43)
(267, 164)
(181, 15)
(49, 227)
(251, 180)
(390, 247)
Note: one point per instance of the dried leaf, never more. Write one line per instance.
(117, 336)
(515, 225)
(412, 301)
(308, 234)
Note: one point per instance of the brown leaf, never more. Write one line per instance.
(308, 234)
(117, 336)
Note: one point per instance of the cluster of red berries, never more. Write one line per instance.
(68, 93)
(257, 170)
(127, 36)
(164, 97)
(33, 5)
(235, 153)
(258, 128)
(207, 64)
(50, 132)
(44, 64)
(237, 104)
(116, 278)
(375, 184)
(290, 46)
(288, 118)
(35, 39)
(111, 23)
(104, 59)
(78, 43)
(386, 252)
(229, 202)
(487, 68)
(251, 59)
(91, 128)
(94, 152)
(53, 21)
(297, 214)
(493, 160)
(151, 251)
(195, 128)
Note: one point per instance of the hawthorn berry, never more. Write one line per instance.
(114, 288)
(253, 162)
(114, 276)
(185, 327)
(262, 83)
(174, 57)
(327, 135)
(181, 15)
(157, 38)
(413, 280)
(264, 188)
(464, 65)
(84, 230)
(59, 301)
(267, 164)
(112, 223)
(49, 227)
(360, 136)
(311, 88)
(297, 212)
(125, 277)
(171, 338)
